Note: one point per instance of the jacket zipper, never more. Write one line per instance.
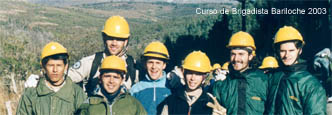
(189, 110)
(154, 91)
(111, 105)
(111, 109)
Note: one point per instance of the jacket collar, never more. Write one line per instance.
(98, 96)
(300, 66)
(288, 71)
(181, 94)
(237, 74)
(65, 93)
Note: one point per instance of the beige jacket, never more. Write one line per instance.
(80, 70)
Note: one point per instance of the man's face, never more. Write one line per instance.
(240, 59)
(55, 71)
(289, 53)
(115, 45)
(111, 81)
(194, 79)
(155, 68)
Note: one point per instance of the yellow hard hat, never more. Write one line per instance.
(53, 48)
(197, 61)
(156, 49)
(113, 63)
(269, 62)
(242, 39)
(116, 26)
(253, 53)
(225, 66)
(287, 33)
(216, 66)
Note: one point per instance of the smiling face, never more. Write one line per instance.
(194, 79)
(55, 71)
(240, 59)
(115, 45)
(111, 81)
(155, 68)
(289, 53)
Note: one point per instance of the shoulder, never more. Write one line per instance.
(94, 104)
(308, 79)
(130, 58)
(30, 92)
(85, 61)
(222, 84)
(73, 85)
(170, 98)
(206, 97)
(129, 97)
(77, 88)
(89, 58)
(140, 86)
(95, 100)
(28, 96)
(304, 74)
(74, 88)
(219, 82)
(258, 74)
(126, 99)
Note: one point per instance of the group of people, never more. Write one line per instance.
(113, 83)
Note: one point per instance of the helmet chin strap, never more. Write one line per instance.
(121, 53)
(55, 84)
(297, 58)
(202, 83)
(64, 79)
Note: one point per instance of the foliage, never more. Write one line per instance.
(25, 28)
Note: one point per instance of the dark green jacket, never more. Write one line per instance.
(43, 101)
(242, 93)
(123, 104)
(293, 90)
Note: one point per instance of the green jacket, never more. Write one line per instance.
(123, 104)
(43, 101)
(242, 93)
(293, 90)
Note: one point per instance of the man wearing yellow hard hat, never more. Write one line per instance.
(153, 90)
(116, 34)
(225, 66)
(220, 72)
(269, 65)
(110, 98)
(293, 90)
(216, 68)
(54, 94)
(244, 90)
(191, 98)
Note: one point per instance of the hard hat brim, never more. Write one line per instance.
(123, 36)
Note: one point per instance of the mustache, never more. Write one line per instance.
(233, 62)
(284, 58)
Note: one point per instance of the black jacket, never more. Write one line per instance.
(177, 104)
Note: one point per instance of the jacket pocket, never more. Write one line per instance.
(256, 104)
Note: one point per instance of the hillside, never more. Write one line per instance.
(26, 27)
(79, 26)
